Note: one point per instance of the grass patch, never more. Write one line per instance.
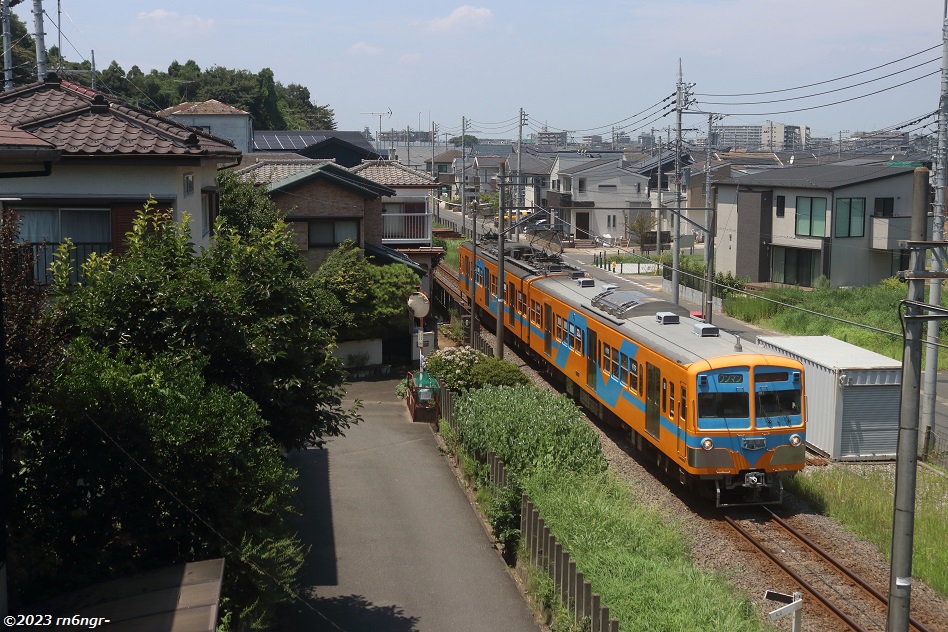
(875, 306)
(862, 499)
(634, 561)
(450, 250)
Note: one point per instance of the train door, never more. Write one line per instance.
(512, 304)
(653, 399)
(547, 329)
(683, 422)
(592, 351)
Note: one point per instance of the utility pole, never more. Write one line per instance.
(708, 297)
(40, 42)
(520, 192)
(676, 222)
(906, 463)
(938, 231)
(7, 45)
(658, 221)
(501, 281)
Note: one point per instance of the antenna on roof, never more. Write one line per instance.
(378, 141)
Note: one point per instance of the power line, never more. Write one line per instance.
(817, 107)
(816, 94)
(819, 83)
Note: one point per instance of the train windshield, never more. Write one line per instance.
(777, 398)
(724, 399)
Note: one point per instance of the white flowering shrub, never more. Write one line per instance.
(453, 367)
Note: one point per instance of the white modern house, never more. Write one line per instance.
(596, 196)
(797, 224)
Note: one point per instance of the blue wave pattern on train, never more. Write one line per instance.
(725, 414)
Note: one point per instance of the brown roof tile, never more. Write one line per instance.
(82, 122)
(271, 171)
(393, 174)
(213, 106)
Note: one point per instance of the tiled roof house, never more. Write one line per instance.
(214, 117)
(113, 157)
(325, 204)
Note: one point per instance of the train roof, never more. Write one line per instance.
(666, 327)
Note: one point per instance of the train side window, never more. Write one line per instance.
(671, 399)
(683, 409)
(639, 380)
(606, 357)
(664, 395)
(559, 328)
(624, 370)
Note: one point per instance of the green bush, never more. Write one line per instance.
(452, 366)
(503, 514)
(491, 371)
(529, 429)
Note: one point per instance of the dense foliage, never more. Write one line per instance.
(271, 104)
(530, 429)
(134, 461)
(796, 311)
(248, 305)
(374, 298)
(245, 207)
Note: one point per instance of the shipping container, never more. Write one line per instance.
(852, 396)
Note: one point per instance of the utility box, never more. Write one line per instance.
(853, 396)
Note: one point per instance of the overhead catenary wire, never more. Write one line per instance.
(819, 83)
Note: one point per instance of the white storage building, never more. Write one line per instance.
(852, 396)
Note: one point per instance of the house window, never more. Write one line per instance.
(608, 188)
(89, 229)
(811, 216)
(638, 187)
(781, 205)
(794, 266)
(567, 183)
(850, 217)
(210, 209)
(188, 184)
(884, 207)
(443, 168)
(582, 185)
(332, 232)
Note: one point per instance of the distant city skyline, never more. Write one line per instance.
(585, 69)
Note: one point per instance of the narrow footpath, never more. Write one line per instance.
(396, 545)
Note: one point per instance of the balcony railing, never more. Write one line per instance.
(43, 255)
(406, 228)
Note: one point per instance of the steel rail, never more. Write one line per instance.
(869, 588)
(842, 616)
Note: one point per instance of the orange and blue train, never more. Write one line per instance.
(722, 413)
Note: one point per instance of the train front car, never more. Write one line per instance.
(749, 429)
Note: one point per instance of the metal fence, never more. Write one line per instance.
(935, 446)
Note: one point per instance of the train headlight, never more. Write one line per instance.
(707, 444)
(795, 440)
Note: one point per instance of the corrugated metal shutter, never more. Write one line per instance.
(870, 421)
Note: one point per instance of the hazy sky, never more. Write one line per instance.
(586, 67)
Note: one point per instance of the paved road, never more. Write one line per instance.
(395, 543)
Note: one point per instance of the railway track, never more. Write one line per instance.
(850, 599)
